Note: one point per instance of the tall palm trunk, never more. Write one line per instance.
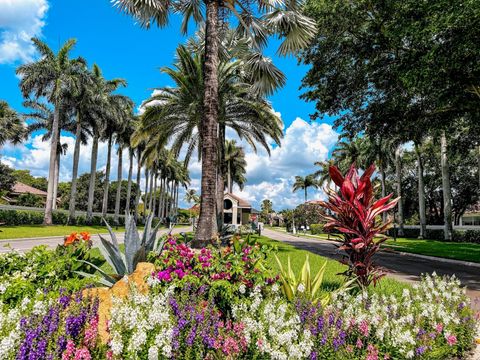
(48, 216)
(129, 182)
(154, 202)
(207, 225)
(163, 199)
(139, 191)
(447, 191)
(119, 186)
(398, 173)
(57, 177)
(145, 197)
(229, 178)
(93, 174)
(220, 174)
(478, 159)
(150, 195)
(305, 189)
(106, 185)
(76, 158)
(421, 194)
(160, 197)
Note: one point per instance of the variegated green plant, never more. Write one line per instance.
(136, 249)
(305, 284)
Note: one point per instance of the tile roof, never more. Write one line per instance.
(241, 202)
(21, 188)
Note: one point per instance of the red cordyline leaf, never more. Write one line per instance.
(336, 175)
(347, 190)
(368, 173)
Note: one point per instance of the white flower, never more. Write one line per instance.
(242, 289)
(153, 353)
(301, 288)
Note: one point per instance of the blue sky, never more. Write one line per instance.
(123, 49)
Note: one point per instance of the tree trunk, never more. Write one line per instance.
(48, 216)
(57, 177)
(76, 158)
(220, 174)
(154, 202)
(150, 194)
(129, 182)
(160, 197)
(139, 191)
(207, 225)
(447, 191)
(163, 199)
(398, 171)
(478, 166)
(145, 197)
(229, 178)
(421, 194)
(106, 185)
(119, 186)
(305, 189)
(93, 173)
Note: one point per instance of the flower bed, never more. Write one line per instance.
(227, 303)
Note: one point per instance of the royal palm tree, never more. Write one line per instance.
(236, 164)
(347, 152)
(11, 124)
(55, 77)
(191, 196)
(303, 183)
(256, 19)
(105, 100)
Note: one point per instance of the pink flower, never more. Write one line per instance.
(70, 349)
(91, 333)
(372, 352)
(230, 346)
(363, 327)
(359, 343)
(82, 354)
(109, 355)
(439, 327)
(451, 339)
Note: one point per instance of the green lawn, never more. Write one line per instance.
(331, 280)
(449, 250)
(31, 231)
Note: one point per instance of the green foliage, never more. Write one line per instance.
(136, 250)
(308, 214)
(316, 229)
(7, 178)
(31, 200)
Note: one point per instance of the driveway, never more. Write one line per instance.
(53, 241)
(403, 267)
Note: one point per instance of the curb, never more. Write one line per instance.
(402, 253)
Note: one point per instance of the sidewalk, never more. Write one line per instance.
(25, 244)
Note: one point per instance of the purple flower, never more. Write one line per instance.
(420, 350)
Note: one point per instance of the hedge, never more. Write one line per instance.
(316, 229)
(26, 217)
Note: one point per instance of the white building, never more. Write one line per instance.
(237, 211)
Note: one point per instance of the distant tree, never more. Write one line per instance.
(308, 214)
(7, 178)
(25, 177)
(11, 124)
(267, 206)
(303, 183)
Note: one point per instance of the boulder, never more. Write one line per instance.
(121, 289)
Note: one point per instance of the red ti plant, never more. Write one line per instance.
(354, 212)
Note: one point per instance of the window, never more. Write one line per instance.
(227, 204)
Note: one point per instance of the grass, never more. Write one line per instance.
(331, 278)
(449, 250)
(33, 231)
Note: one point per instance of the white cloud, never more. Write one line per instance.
(20, 20)
(267, 177)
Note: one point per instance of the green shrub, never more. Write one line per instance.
(316, 229)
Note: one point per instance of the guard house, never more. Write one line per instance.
(236, 211)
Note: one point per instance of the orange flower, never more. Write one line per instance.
(70, 239)
(85, 236)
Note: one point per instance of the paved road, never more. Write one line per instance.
(404, 267)
(51, 242)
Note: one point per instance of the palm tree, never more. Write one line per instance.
(11, 124)
(258, 20)
(398, 178)
(53, 76)
(421, 191)
(236, 165)
(105, 98)
(322, 175)
(191, 196)
(348, 152)
(304, 183)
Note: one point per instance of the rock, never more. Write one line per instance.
(120, 290)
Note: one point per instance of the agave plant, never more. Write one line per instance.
(136, 250)
(304, 284)
(354, 212)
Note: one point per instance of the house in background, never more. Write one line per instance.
(471, 216)
(11, 198)
(237, 211)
